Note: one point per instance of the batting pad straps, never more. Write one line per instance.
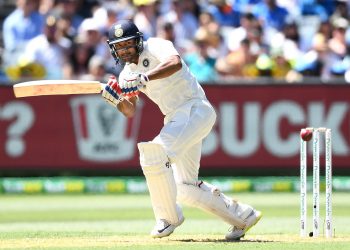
(209, 198)
(160, 181)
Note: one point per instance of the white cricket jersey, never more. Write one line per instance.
(171, 92)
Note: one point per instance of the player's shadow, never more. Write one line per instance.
(223, 240)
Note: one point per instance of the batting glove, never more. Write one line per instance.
(131, 84)
(112, 92)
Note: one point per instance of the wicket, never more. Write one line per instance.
(316, 182)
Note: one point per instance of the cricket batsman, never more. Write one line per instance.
(170, 162)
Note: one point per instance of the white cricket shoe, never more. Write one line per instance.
(164, 228)
(237, 233)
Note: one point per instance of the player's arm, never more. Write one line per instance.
(112, 93)
(170, 60)
(166, 68)
(170, 63)
(130, 85)
(128, 106)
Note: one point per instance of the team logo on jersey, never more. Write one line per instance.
(145, 62)
(118, 31)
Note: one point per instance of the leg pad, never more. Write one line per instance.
(160, 181)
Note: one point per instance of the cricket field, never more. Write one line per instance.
(123, 221)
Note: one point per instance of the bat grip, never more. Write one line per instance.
(103, 85)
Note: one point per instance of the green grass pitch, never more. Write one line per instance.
(96, 221)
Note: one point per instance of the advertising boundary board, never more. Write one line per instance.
(257, 128)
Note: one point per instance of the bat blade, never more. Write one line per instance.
(56, 87)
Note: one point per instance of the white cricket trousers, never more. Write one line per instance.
(182, 136)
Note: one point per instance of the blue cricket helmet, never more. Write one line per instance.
(122, 31)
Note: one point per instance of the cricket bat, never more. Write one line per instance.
(57, 87)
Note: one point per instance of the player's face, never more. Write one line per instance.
(126, 51)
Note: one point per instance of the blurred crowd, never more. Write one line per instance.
(218, 39)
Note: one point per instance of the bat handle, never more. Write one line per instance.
(103, 85)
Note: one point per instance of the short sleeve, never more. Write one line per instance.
(161, 48)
